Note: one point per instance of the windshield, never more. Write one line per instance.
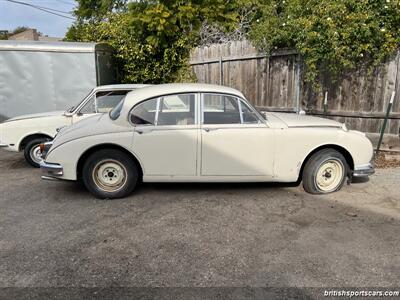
(116, 111)
(72, 108)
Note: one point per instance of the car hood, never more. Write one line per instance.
(296, 120)
(34, 116)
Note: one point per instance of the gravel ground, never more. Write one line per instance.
(55, 234)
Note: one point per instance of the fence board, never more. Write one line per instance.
(270, 83)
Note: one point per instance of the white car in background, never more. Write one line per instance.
(203, 133)
(25, 133)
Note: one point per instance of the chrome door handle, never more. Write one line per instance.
(141, 131)
(209, 129)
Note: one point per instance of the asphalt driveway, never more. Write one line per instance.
(55, 234)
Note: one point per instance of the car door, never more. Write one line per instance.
(166, 135)
(100, 102)
(234, 140)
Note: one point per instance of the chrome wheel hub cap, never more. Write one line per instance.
(35, 154)
(329, 175)
(109, 175)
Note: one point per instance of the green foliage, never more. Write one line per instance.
(336, 36)
(3, 35)
(152, 39)
(92, 10)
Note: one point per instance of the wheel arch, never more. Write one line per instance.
(93, 149)
(340, 149)
(25, 140)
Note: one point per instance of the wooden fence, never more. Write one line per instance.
(276, 84)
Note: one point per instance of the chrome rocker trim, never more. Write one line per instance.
(50, 170)
(364, 170)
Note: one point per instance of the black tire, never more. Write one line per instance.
(114, 165)
(322, 162)
(30, 149)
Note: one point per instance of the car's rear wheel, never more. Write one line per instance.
(32, 152)
(110, 174)
(325, 172)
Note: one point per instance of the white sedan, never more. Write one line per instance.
(203, 133)
(25, 133)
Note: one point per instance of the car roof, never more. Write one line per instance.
(176, 88)
(120, 86)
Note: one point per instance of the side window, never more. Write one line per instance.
(103, 102)
(177, 110)
(144, 113)
(220, 109)
(248, 115)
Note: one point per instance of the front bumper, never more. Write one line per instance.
(363, 170)
(51, 170)
(3, 145)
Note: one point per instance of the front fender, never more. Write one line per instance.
(68, 154)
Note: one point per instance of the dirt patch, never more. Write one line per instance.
(387, 159)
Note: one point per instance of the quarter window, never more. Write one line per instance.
(248, 115)
(144, 113)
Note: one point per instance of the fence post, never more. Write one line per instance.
(297, 82)
(385, 121)
(221, 72)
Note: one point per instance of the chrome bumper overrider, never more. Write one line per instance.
(364, 170)
(51, 170)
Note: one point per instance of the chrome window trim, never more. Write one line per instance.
(82, 103)
(252, 109)
(157, 110)
(240, 110)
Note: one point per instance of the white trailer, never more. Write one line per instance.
(46, 76)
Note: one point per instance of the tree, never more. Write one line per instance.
(92, 10)
(336, 36)
(152, 39)
(3, 35)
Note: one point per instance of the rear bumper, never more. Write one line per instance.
(363, 170)
(51, 170)
(3, 145)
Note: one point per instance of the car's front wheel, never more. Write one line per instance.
(32, 152)
(325, 172)
(110, 174)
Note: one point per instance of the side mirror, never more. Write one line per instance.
(79, 114)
